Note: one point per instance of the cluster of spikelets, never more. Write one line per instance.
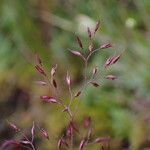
(67, 139)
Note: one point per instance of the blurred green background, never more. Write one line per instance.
(120, 109)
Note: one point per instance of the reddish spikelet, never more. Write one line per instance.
(48, 99)
(112, 60)
(54, 83)
(33, 130)
(94, 84)
(115, 59)
(25, 142)
(44, 133)
(82, 144)
(59, 144)
(79, 42)
(91, 47)
(102, 139)
(97, 26)
(89, 33)
(87, 122)
(70, 129)
(65, 110)
(14, 127)
(76, 53)
(78, 94)
(40, 70)
(53, 70)
(95, 69)
(39, 61)
(61, 141)
(108, 61)
(111, 77)
(69, 132)
(41, 83)
(106, 46)
(68, 79)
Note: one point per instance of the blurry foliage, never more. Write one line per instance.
(47, 27)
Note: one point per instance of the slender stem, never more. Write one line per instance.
(33, 133)
(71, 143)
(71, 96)
(30, 142)
(89, 55)
(32, 146)
(85, 75)
(84, 86)
(57, 96)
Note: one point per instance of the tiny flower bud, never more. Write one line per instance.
(97, 26)
(102, 139)
(111, 77)
(68, 80)
(54, 83)
(91, 47)
(77, 94)
(41, 83)
(33, 130)
(48, 99)
(87, 122)
(82, 144)
(108, 61)
(40, 70)
(79, 42)
(14, 127)
(76, 53)
(95, 69)
(53, 70)
(39, 61)
(115, 59)
(94, 84)
(106, 46)
(44, 133)
(89, 33)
